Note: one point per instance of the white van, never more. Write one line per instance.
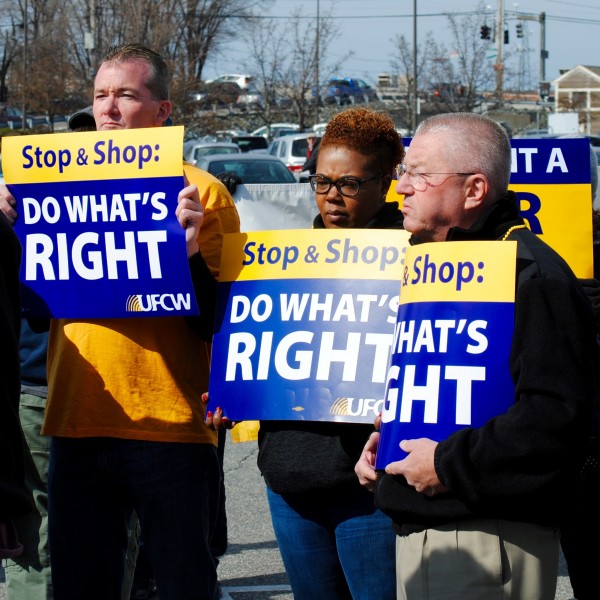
(291, 149)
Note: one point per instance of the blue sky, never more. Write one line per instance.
(572, 31)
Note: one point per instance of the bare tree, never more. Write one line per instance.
(402, 63)
(77, 33)
(452, 80)
(468, 72)
(204, 26)
(9, 51)
(268, 55)
(39, 81)
(286, 60)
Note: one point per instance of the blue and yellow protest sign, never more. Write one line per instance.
(449, 364)
(305, 323)
(552, 180)
(97, 223)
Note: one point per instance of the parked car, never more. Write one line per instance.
(247, 143)
(225, 135)
(281, 132)
(215, 93)
(291, 149)
(250, 97)
(270, 132)
(250, 167)
(196, 151)
(347, 90)
(242, 81)
(319, 129)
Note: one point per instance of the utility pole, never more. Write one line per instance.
(317, 86)
(543, 52)
(25, 57)
(499, 66)
(415, 103)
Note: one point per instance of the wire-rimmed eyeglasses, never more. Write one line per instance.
(419, 181)
(346, 186)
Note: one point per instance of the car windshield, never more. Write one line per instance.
(250, 143)
(259, 171)
(205, 151)
(299, 147)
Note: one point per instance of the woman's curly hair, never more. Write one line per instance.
(368, 132)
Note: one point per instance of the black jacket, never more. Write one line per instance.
(13, 499)
(521, 465)
(310, 164)
(303, 456)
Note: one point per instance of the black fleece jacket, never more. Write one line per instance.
(520, 465)
(313, 457)
(13, 497)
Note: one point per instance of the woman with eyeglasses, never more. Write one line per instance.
(334, 543)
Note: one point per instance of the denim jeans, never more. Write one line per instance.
(335, 545)
(94, 485)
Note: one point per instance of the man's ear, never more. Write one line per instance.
(477, 188)
(164, 110)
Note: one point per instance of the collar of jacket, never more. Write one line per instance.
(500, 217)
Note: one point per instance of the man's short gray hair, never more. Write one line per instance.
(478, 145)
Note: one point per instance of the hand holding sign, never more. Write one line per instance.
(418, 467)
(365, 467)
(216, 420)
(190, 215)
(7, 204)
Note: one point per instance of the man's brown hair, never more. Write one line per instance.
(158, 83)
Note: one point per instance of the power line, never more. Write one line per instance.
(420, 16)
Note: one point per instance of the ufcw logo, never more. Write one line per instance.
(154, 302)
(356, 407)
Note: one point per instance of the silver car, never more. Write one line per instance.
(194, 152)
(250, 167)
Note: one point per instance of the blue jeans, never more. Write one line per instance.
(335, 545)
(94, 485)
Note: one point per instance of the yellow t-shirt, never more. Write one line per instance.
(142, 378)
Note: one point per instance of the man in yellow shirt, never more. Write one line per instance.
(124, 406)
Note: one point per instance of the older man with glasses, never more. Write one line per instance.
(478, 514)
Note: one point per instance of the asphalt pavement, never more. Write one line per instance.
(252, 568)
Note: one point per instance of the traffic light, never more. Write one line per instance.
(506, 36)
(519, 30)
(485, 32)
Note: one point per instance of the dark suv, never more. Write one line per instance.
(348, 91)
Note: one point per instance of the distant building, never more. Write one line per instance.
(392, 88)
(578, 90)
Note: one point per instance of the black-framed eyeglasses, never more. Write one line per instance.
(419, 182)
(346, 186)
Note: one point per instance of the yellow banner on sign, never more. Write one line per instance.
(93, 156)
(561, 214)
(440, 273)
(314, 254)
